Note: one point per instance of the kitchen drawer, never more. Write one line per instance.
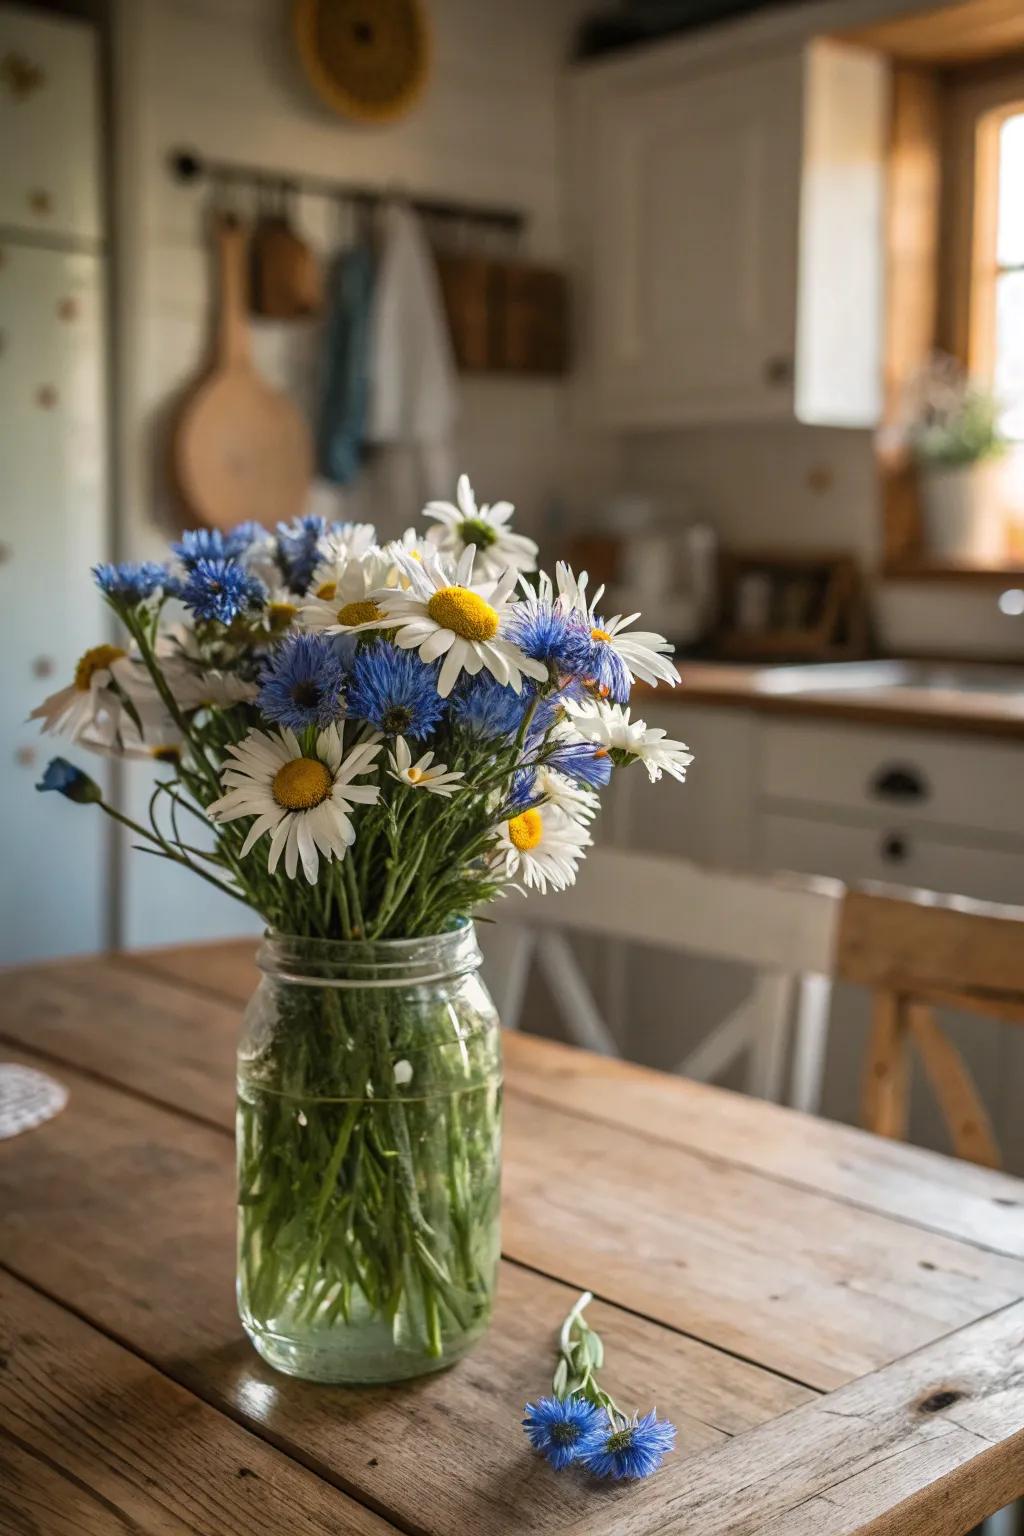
(912, 776)
(895, 852)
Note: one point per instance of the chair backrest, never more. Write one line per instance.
(784, 929)
(784, 923)
(919, 950)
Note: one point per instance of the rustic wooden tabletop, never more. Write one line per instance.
(834, 1322)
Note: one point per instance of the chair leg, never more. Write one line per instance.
(886, 1088)
(955, 1090)
(772, 1005)
(569, 988)
(759, 1028)
(508, 952)
(810, 1043)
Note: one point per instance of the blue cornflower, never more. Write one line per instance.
(220, 589)
(489, 709)
(635, 1449)
(132, 582)
(547, 634)
(605, 668)
(69, 781)
(302, 683)
(394, 691)
(584, 761)
(244, 535)
(298, 550)
(522, 794)
(211, 544)
(565, 1429)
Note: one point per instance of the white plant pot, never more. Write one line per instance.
(964, 515)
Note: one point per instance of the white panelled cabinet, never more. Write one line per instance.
(728, 230)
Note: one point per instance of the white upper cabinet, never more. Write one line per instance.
(49, 115)
(729, 235)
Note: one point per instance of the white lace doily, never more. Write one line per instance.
(27, 1098)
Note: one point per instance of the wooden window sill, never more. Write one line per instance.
(923, 569)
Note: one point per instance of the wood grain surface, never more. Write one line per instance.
(833, 1321)
(95, 1441)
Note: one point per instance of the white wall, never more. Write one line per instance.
(219, 76)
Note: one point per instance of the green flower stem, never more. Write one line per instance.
(580, 1357)
(167, 851)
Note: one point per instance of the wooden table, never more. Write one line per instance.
(834, 1322)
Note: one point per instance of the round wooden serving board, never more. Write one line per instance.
(242, 451)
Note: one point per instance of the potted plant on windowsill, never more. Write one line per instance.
(958, 447)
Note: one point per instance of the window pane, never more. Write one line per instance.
(1009, 379)
(1010, 237)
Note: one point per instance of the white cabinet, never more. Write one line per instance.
(55, 889)
(728, 223)
(49, 111)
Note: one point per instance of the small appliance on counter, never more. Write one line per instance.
(667, 569)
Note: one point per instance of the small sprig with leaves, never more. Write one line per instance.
(580, 1423)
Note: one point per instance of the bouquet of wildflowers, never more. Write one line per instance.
(381, 739)
(409, 729)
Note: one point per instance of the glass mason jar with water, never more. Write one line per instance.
(369, 1142)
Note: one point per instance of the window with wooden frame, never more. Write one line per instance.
(985, 223)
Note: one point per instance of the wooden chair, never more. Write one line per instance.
(918, 950)
(784, 929)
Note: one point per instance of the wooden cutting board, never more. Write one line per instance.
(241, 449)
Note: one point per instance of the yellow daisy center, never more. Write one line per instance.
(414, 775)
(359, 613)
(526, 830)
(281, 614)
(301, 784)
(95, 660)
(600, 634)
(465, 613)
(327, 590)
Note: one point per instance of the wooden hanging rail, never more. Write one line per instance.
(186, 165)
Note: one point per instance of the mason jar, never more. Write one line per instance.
(369, 1156)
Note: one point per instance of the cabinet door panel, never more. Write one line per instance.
(895, 852)
(695, 232)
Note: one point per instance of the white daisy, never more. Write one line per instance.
(610, 725)
(412, 545)
(304, 802)
(558, 789)
(619, 658)
(442, 614)
(339, 545)
(193, 683)
(92, 708)
(342, 600)
(420, 775)
(542, 846)
(498, 548)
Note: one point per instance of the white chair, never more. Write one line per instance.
(783, 928)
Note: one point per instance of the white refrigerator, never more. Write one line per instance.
(53, 471)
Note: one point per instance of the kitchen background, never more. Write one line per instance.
(751, 230)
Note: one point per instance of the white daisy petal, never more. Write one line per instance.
(302, 800)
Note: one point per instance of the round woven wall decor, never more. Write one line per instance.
(367, 59)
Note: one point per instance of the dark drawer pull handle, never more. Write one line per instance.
(899, 781)
(895, 848)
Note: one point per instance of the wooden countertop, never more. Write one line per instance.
(727, 684)
(834, 1322)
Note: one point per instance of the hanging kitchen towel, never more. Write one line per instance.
(413, 384)
(344, 396)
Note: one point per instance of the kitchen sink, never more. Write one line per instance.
(886, 676)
